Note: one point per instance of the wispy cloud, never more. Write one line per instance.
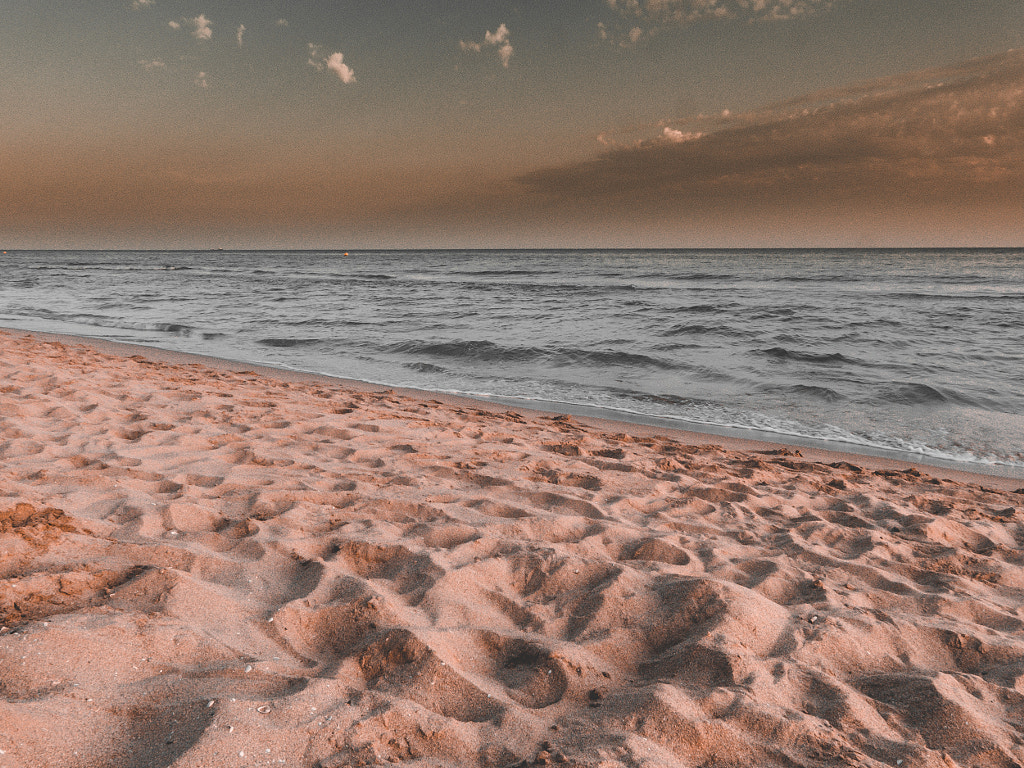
(948, 137)
(642, 18)
(202, 28)
(498, 39)
(688, 11)
(333, 62)
(201, 80)
(239, 33)
(499, 36)
(152, 64)
(139, 4)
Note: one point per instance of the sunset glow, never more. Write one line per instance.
(159, 123)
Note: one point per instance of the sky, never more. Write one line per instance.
(531, 123)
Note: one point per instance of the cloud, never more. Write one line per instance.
(676, 136)
(688, 11)
(201, 80)
(334, 62)
(282, 22)
(316, 57)
(499, 39)
(240, 32)
(949, 139)
(139, 4)
(505, 54)
(201, 27)
(153, 64)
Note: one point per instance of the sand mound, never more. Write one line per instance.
(208, 567)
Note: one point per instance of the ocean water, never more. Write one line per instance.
(913, 354)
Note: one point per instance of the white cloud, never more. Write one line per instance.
(201, 27)
(498, 38)
(316, 58)
(201, 80)
(500, 35)
(173, 25)
(505, 53)
(282, 22)
(334, 62)
(137, 4)
(151, 65)
(241, 31)
(676, 136)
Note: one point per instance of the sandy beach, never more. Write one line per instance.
(209, 564)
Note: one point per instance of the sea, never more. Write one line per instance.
(911, 354)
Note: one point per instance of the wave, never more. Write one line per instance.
(806, 391)
(790, 355)
(277, 342)
(488, 351)
(178, 329)
(425, 368)
(770, 313)
(696, 329)
(706, 308)
(120, 267)
(107, 321)
(502, 272)
(916, 393)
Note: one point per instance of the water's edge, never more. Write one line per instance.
(609, 420)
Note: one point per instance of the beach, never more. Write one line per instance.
(207, 563)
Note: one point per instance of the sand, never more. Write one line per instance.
(206, 566)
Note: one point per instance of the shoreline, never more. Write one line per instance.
(642, 426)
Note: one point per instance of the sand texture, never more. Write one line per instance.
(208, 567)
